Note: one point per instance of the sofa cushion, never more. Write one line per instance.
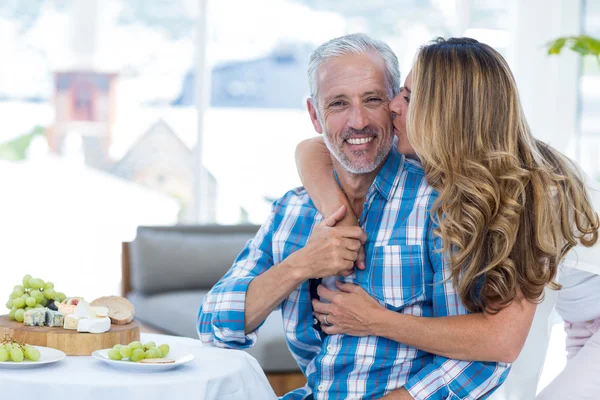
(176, 313)
(163, 260)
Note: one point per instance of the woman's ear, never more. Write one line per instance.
(312, 111)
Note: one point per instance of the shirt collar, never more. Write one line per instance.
(387, 180)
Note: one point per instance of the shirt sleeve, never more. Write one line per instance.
(446, 378)
(220, 320)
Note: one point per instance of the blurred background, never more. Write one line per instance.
(119, 113)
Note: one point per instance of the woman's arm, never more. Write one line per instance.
(315, 168)
(481, 336)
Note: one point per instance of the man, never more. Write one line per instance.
(352, 79)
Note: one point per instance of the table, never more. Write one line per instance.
(215, 374)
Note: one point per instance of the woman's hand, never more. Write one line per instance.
(351, 311)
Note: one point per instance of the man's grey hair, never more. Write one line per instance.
(356, 43)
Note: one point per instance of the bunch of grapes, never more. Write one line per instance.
(33, 293)
(12, 350)
(136, 351)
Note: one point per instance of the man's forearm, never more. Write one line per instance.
(268, 290)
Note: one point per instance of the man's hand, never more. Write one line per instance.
(350, 311)
(330, 250)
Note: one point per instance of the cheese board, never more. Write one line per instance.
(71, 342)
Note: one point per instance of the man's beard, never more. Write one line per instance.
(357, 167)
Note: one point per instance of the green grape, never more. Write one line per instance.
(28, 308)
(37, 295)
(16, 354)
(19, 302)
(44, 302)
(117, 346)
(60, 296)
(48, 286)
(9, 304)
(26, 279)
(19, 315)
(3, 355)
(39, 306)
(157, 352)
(31, 353)
(164, 349)
(36, 283)
(49, 294)
(114, 354)
(19, 287)
(149, 345)
(125, 351)
(8, 347)
(12, 312)
(2, 347)
(136, 345)
(17, 293)
(151, 353)
(137, 355)
(31, 302)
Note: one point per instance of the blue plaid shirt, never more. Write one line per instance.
(403, 262)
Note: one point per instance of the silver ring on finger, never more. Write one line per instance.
(325, 320)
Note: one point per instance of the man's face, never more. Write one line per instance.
(354, 111)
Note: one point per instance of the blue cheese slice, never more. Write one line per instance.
(54, 318)
(35, 317)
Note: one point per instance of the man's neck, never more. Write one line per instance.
(355, 186)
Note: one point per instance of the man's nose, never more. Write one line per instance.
(358, 118)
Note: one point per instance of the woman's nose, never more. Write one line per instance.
(395, 106)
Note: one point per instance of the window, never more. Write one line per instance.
(588, 151)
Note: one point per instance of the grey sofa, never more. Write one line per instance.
(167, 271)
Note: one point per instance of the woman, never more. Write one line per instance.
(509, 206)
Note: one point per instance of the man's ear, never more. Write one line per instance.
(313, 116)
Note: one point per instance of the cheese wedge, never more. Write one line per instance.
(71, 321)
(94, 325)
(84, 310)
(66, 309)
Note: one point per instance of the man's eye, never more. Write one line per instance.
(337, 104)
(374, 100)
(407, 99)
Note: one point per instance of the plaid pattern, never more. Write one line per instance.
(403, 262)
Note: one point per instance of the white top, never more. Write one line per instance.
(215, 374)
(579, 299)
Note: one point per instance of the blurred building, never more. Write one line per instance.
(161, 161)
(84, 103)
(257, 83)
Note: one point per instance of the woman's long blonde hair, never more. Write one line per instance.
(509, 207)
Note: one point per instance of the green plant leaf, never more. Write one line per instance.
(556, 46)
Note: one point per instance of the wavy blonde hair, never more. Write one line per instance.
(510, 207)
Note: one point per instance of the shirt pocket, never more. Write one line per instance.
(397, 277)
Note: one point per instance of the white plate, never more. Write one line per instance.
(180, 358)
(47, 356)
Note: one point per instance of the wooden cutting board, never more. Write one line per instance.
(71, 342)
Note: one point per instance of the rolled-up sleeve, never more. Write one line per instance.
(220, 320)
(446, 378)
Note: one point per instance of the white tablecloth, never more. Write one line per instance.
(215, 374)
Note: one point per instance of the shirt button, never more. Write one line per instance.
(329, 348)
(321, 387)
